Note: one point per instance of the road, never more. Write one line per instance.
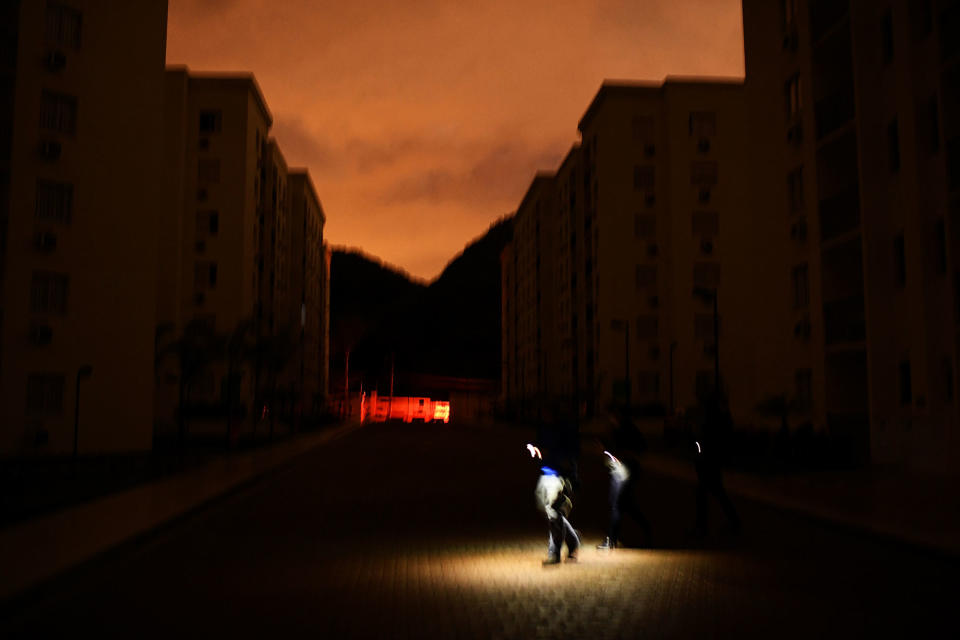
(414, 531)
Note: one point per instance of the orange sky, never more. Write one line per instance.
(423, 121)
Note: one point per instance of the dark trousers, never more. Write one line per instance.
(560, 530)
(710, 481)
(622, 502)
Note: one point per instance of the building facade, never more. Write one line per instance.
(81, 147)
(855, 109)
(643, 225)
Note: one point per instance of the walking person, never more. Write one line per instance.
(553, 499)
(709, 453)
(623, 468)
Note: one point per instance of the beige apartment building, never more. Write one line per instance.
(216, 145)
(242, 252)
(644, 223)
(80, 206)
(309, 284)
(855, 107)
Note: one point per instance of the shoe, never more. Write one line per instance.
(551, 560)
(572, 557)
(607, 544)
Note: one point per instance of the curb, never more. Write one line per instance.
(943, 544)
(38, 550)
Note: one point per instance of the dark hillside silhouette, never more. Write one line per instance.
(450, 327)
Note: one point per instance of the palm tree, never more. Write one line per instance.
(198, 347)
(240, 346)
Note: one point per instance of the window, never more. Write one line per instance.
(801, 287)
(906, 385)
(703, 124)
(211, 121)
(795, 190)
(933, 122)
(899, 260)
(921, 19)
(48, 292)
(706, 274)
(642, 127)
(645, 276)
(788, 11)
(793, 97)
(703, 174)
(63, 26)
(947, 368)
(208, 170)
(58, 112)
(208, 223)
(803, 393)
(644, 225)
(643, 177)
(940, 247)
(205, 275)
(54, 201)
(703, 326)
(705, 223)
(45, 394)
(893, 145)
(647, 327)
(648, 384)
(886, 37)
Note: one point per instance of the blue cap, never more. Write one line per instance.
(547, 471)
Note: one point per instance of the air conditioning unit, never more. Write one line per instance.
(795, 133)
(790, 40)
(45, 241)
(709, 350)
(201, 194)
(654, 352)
(200, 246)
(204, 144)
(50, 149)
(199, 298)
(649, 150)
(704, 195)
(706, 245)
(55, 61)
(798, 231)
(703, 145)
(651, 199)
(802, 329)
(652, 249)
(654, 301)
(40, 334)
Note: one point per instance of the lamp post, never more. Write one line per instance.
(711, 295)
(673, 347)
(616, 325)
(83, 372)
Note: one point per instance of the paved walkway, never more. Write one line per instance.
(920, 510)
(430, 531)
(35, 550)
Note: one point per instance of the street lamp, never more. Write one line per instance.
(83, 372)
(709, 295)
(617, 325)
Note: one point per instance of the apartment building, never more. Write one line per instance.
(80, 205)
(643, 226)
(855, 107)
(242, 252)
(527, 274)
(664, 183)
(308, 287)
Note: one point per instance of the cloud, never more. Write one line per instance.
(501, 173)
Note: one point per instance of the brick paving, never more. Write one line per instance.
(401, 531)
